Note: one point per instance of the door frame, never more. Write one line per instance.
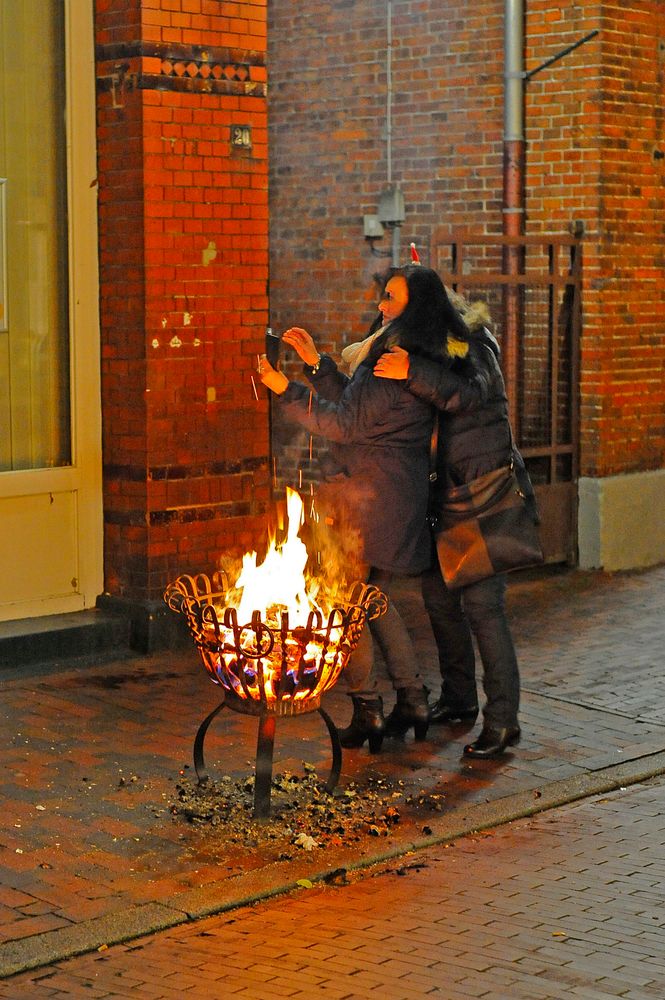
(80, 485)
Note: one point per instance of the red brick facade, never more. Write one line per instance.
(594, 152)
(183, 270)
(184, 223)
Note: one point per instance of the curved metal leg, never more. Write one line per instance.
(199, 764)
(264, 757)
(264, 754)
(336, 768)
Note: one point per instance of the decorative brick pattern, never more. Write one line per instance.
(183, 265)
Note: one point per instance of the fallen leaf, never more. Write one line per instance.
(305, 841)
(305, 883)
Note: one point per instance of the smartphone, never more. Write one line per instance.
(272, 347)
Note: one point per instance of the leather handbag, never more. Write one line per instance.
(485, 527)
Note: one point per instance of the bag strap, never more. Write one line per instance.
(433, 449)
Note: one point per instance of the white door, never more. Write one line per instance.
(50, 410)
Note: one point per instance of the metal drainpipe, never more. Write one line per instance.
(513, 190)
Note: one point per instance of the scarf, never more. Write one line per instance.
(355, 354)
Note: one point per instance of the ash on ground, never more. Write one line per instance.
(302, 813)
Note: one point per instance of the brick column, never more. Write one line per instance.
(183, 269)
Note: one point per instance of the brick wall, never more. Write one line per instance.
(594, 132)
(183, 268)
(329, 159)
(184, 224)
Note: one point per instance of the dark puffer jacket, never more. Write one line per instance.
(470, 394)
(381, 433)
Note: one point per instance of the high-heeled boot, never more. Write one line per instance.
(411, 709)
(367, 723)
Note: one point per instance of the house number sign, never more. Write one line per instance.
(241, 135)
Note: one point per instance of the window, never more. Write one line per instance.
(34, 327)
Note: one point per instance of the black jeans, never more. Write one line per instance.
(456, 616)
(394, 642)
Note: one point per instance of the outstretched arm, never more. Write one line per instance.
(441, 385)
(276, 381)
(303, 344)
(320, 369)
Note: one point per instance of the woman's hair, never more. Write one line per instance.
(429, 316)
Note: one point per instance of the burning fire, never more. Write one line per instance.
(279, 583)
(287, 651)
(278, 637)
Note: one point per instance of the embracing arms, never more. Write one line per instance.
(466, 383)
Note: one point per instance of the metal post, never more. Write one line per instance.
(264, 753)
(395, 257)
(513, 194)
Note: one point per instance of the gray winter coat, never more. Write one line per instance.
(381, 434)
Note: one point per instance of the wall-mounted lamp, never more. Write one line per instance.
(390, 214)
(391, 207)
(372, 228)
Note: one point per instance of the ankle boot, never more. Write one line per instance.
(367, 723)
(445, 711)
(411, 709)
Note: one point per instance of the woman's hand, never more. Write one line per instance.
(393, 364)
(301, 341)
(276, 381)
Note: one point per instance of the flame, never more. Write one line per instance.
(279, 583)
(296, 668)
(279, 635)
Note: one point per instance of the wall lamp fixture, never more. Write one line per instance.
(389, 215)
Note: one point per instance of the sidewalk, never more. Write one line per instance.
(92, 853)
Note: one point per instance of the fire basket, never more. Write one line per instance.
(269, 667)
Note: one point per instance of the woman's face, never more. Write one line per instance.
(394, 299)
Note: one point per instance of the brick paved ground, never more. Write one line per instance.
(92, 755)
(570, 904)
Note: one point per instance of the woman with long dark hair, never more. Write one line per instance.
(381, 435)
(474, 438)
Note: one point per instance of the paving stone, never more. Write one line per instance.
(101, 749)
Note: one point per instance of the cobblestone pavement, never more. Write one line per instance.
(569, 904)
(91, 854)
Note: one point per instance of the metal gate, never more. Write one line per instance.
(532, 286)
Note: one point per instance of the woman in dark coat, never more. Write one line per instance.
(381, 433)
(474, 438)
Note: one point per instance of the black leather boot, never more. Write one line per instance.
(367, 723)
(411, 709)
(443, 711)
(492, 742)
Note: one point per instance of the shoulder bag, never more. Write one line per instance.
(483, 527)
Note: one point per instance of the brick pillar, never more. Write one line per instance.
(183, 270)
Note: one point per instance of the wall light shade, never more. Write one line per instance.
(372, 228)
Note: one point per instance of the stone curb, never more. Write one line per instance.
(136, 921)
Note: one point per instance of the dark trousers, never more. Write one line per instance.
(456, 616)
(394, 642)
